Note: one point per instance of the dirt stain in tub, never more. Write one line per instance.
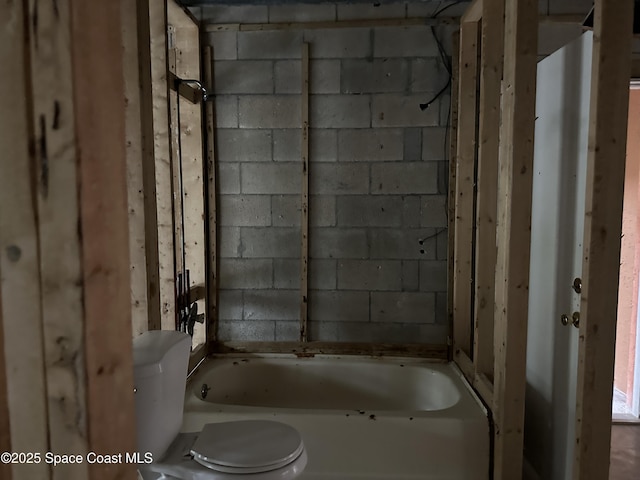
(372, 417)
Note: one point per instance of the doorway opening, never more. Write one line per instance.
(626, 391)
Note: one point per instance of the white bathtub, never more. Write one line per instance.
(360, 418)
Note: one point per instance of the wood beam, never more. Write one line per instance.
(135, 176)
(101, 163)
(463, 243)
(474, 12)
(304, 200)
(602, 230)
(492, 53)
(152, 40)
(515, 177)
(453, 155)
(212, 203)
(23, 400)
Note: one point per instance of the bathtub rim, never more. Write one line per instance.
(469, 404)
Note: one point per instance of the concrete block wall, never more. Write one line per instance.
(378, 177)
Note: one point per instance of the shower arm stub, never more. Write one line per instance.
(191, 89)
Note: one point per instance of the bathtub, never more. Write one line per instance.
(360, 418)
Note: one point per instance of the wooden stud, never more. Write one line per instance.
(515, 176)
(61, 230)
(474, 12)
(101, 160)
(304, 221)
(602, 229)
(432, 352)
(463, 242)
(23, 397)
(365, 23)
(492, 53)
(135, 182)
(152, 40)
(479, 381)
(212, 206)
(453, 155)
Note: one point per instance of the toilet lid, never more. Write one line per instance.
(248, 446)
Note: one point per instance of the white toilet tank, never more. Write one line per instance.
(160, 362)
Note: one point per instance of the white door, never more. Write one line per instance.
(560, 164)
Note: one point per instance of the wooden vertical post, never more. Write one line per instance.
(515, 176)
(463, 243)
(152, 40)
(212, 202)
(101, 163)
(23, 397)
(135, 183)
(602, 229)
(304, 204)
(492, 54)
(453, 155)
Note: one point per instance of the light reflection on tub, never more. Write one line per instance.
(336, 384)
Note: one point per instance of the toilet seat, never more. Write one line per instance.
(247, 446)
(184, 460)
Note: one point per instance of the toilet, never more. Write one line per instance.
(255, 449)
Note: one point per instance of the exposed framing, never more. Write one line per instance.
(610, 75)
(304, 197)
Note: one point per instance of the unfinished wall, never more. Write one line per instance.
(377, 177)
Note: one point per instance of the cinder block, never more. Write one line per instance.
(230, 304)
(340, 111)
(271, 305)
(434, 143)
(226, 111)
(245, 273)
(286, 212)
(397, 110)
(239, 145)
(375, 75)
(244, 76)
(247, 331)
(379, 332)
(410, 276)
(433, 276)
(322, 274)
(323, 331)
(402, 244)
(369, 11)
(287, 331)
(334, 179)
(269, 111)
(229, 242)
(403, 307)
(441, 308)
(324, 76)
(271, 178)
(412, 144)
(323, 145)
(286, 273)
(445, 110)
(339, 43)
(301, 13)
(434, 334)
(428, 9)
(442, 248)
(327, 306)
(224, 45)
(338, 243)
(370, 275)
(270, 44)
(228, 178)
(434, 211)
(369, 211)
(245, 210)
(370, 145)
(274, 242)
(404, 178)
(443, 177)
(235, 14)
(428, 75)
(412, 41)
(411, 211)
